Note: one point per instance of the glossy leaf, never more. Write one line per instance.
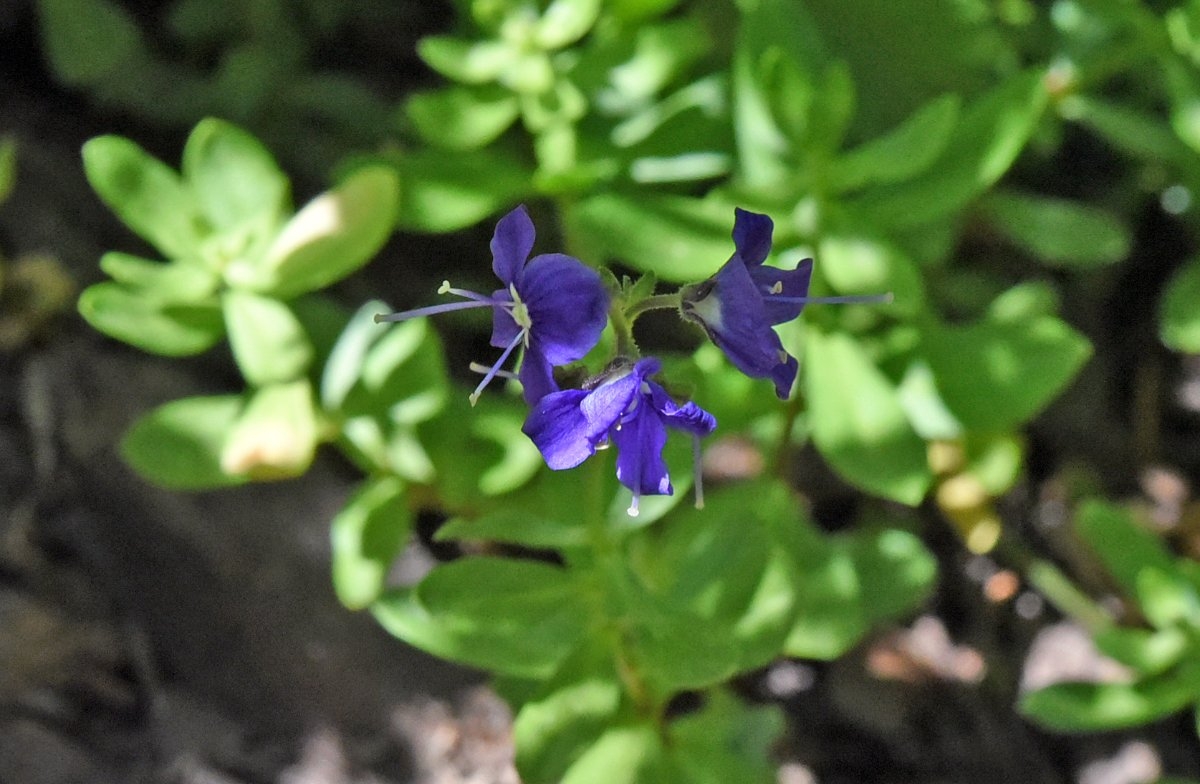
(726, 740)
(443, 193)
(466, 61)
(551, 731)
(895, 572)
(862, 265)
(630, 754)
(565, 21)
(88, 41)
(1147, 652)
(167, 283)
(1125, 548)
(991, 132)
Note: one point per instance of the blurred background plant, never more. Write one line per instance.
(1020, 176)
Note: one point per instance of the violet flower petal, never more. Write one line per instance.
(512, 243)
(640, 441)
(567, 304)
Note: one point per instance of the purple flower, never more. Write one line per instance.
(738, 306)
(629, 410)
(553, 305)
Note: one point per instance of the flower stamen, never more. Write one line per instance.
(495, 369)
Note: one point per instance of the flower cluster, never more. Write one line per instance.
(555, 308)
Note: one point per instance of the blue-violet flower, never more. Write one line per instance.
(738, 306)
(625, 407)
(553, 305)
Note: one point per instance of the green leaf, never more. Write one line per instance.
(329, 238)
(904, 152)
(895, 572)
(726, 741)
(674, 648)
(275, 436)
(1142, 135)
(444, 193)
(395, 371)
(1125, 548)
(679, 239)
(772, 36)
(462, 118)
(268, 342)
(88, 41)
(514, 527)
(155, 281)
(139, 319)
(1090, 707)
(367, 535)
(830, 617)
(466, 61)
(1167, 598)
(345, 361)
(623, 755)
(178, 445)
(518, 618)
(1147, 652)
(719, 562)
(8, 166)
(992, 131)
(146, 194)
(996, 460)
(564, 22)
(235, 179)
(551, 731)
(998, 375)
(1058, 231)
(1179, 313)
(858, 423)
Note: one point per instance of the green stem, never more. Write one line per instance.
(1063, 594)
(656, 302)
